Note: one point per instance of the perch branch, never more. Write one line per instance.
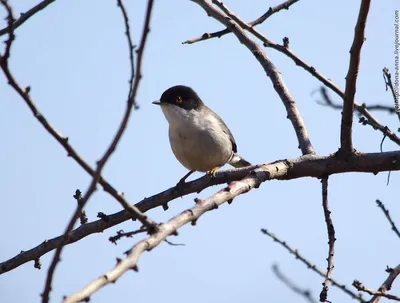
(305, 166)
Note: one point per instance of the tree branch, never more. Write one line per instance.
(135, 212)
(271, 71)
(388, 217)
(313, 267)
(387, 77)
(25, 16)
(271, 11)
(305, 166)
(305, 293)
(346, 142)
(331, 240)
(381, 292)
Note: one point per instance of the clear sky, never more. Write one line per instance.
(74, 55)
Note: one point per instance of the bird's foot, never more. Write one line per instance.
(212, 173)
(179, 186)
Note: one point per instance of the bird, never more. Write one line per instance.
(199, 138)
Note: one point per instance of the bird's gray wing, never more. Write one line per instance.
(226, 130)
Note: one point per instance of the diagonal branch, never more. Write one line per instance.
(102, 162)
(271, 71)
(271, 11)
(305, 166)
(381, 292)
(311, 266)
(346, 142)
(388, 82)
(226, 194)
(371, 120)
(305, 293)
(331, 240)
(387, 284)
(388, 217)
(25, 16)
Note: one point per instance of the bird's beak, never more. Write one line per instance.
(157, 102)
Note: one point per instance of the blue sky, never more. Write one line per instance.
(74, 56)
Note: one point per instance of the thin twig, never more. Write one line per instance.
(25, 16)
(120, 234)
(346, 141)
(305, 293)
(82, 216)
(331, 241)
(309, 166)
(130, 45)
(313, 267)
(101, 163)
(271, 71)
(388, 217)
(387, 77)
(271, 11)
(327, 101)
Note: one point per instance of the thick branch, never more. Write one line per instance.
(305, 166)
(346, 142)
(271, 71)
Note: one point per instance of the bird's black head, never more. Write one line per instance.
(182, 96)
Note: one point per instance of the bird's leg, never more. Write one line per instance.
(182, 180)
(211, 173)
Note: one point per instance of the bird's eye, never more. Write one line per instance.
(179, 99)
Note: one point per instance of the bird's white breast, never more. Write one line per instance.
(197, 138)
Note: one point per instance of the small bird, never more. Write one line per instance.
(199, 138)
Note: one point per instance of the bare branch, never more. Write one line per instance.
(331, 240)
(381, 292)
(305, 166)
(130, 45)
(387, 77)
(346, 142)
(328, 102)
(149, 224)
(388, 217)
(271, 11)
(25, 16)
(234, 189)
(387, 285)
(271, 71)
(313, 267)
(24, 94)
(120, 234)
(305, 293)
(82, 216)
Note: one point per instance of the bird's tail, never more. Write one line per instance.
(238, 162)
